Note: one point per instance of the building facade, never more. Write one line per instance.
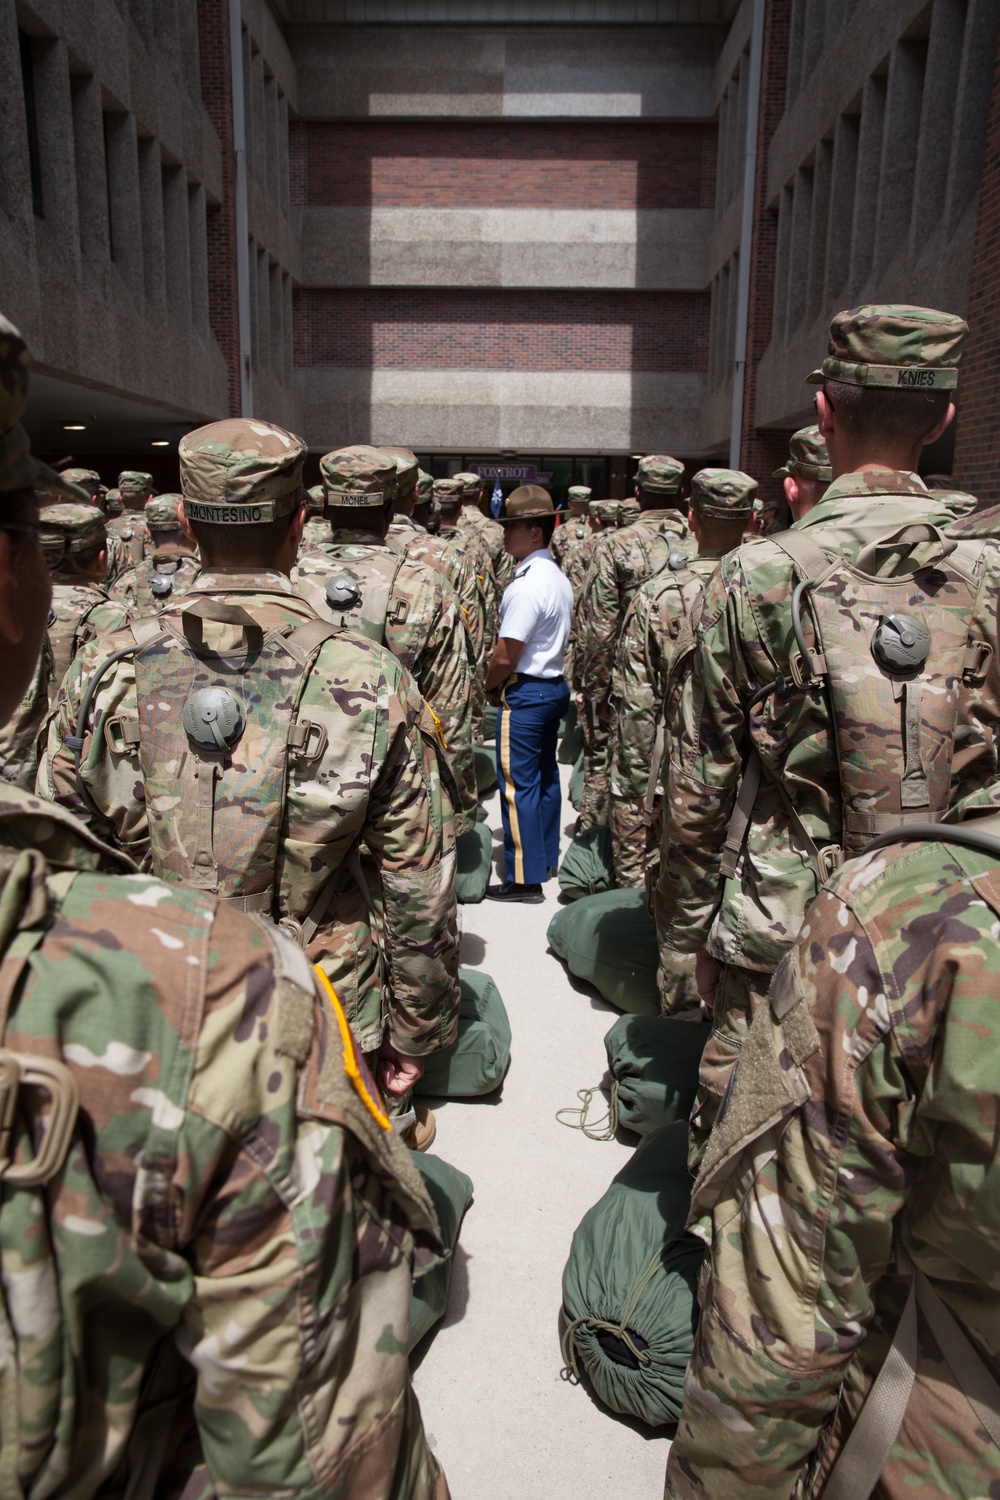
(556, 232)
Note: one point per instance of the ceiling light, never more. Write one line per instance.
(159, 443)
(74, 427)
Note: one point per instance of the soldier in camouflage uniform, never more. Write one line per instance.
(403, 604)
(134, 489)
(721, 503)
(491, 531)
(739, 908)
(848, 1197)
(73, 542)
(629, 510)
(172, 566)
(90, 481)
(574, 529)
(207, 1286)
(20, 736)
(447, 557)
(341, 752)
(620, 562)
(448, 504)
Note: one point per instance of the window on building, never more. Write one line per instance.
(109, 129)
(31, 121)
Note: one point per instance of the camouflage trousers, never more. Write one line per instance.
(595, 810)
(739, 994)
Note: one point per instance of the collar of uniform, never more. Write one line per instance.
(406, 523)
(872, 482)
(62, 588)
(355, 539)
(669, 512)
(542, 553)
(711, 554)
(239, 581)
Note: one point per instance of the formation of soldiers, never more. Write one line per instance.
(238, 753)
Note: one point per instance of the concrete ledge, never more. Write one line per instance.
(543, 411)
(535, 247)
(356, 72)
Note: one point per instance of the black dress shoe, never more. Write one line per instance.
(512, 891)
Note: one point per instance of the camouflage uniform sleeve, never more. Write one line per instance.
(633, 699)
(503, 567)
(409, 831)
(707, 743)
(600, 622)
(798, 1243)
(111, 780)
(977, 738)
(444, 670)
(302, 1242)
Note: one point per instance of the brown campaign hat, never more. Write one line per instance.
(527, 502)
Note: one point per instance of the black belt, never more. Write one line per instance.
(526, 677)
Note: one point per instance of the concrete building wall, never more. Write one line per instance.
(103, 256)
(536, 204)
(873, 172)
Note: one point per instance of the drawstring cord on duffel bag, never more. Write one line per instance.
(620, 1330)
(601, 1130)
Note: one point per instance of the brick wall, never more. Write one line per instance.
(503, 165)
(398, 329)
(217, 94)
(761, 452)
(977, 452)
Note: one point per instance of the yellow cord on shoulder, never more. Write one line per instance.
(437, 725)
(350, 1059)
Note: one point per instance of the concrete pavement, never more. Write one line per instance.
(503, 1422)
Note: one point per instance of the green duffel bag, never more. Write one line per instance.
(486, 770)
(490, 723)
(451, 1193)
(610, 941)
(473, 863)
(576, 783)
(630, 1284)
(482, 814)
(478, 1061)
(588, 866)
(653, 1062)
(571, 743)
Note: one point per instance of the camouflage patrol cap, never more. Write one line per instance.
(18, 470)
(407, 468)
(425, 485)
(579, 494)
(115, 503)
(135, 482)
(604, 510)
(472, 484)
(359, 477)
(240, 471)
(894, 346)
(723, 494)
(807, 457)
(317, 500)
(628, 509)
(162, 512)
(69, 530)
(87, 479)
(449, 491)
(659, 474)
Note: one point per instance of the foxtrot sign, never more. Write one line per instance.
(520, 473)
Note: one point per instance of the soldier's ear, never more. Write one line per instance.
(790, 485)
(824, 414)
(186, 526)
(944, 423)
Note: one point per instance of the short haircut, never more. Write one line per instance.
(253, 546)
(548, 525)
(356, 517)
(721, 536)
(883, 414)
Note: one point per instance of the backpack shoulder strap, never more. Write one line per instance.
(809, 557)
(305, 640)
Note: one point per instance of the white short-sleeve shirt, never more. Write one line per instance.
(537, 608)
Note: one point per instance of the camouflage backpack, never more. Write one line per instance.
(363, 603)
(891, 652)
(70, 626)
(214, 735)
